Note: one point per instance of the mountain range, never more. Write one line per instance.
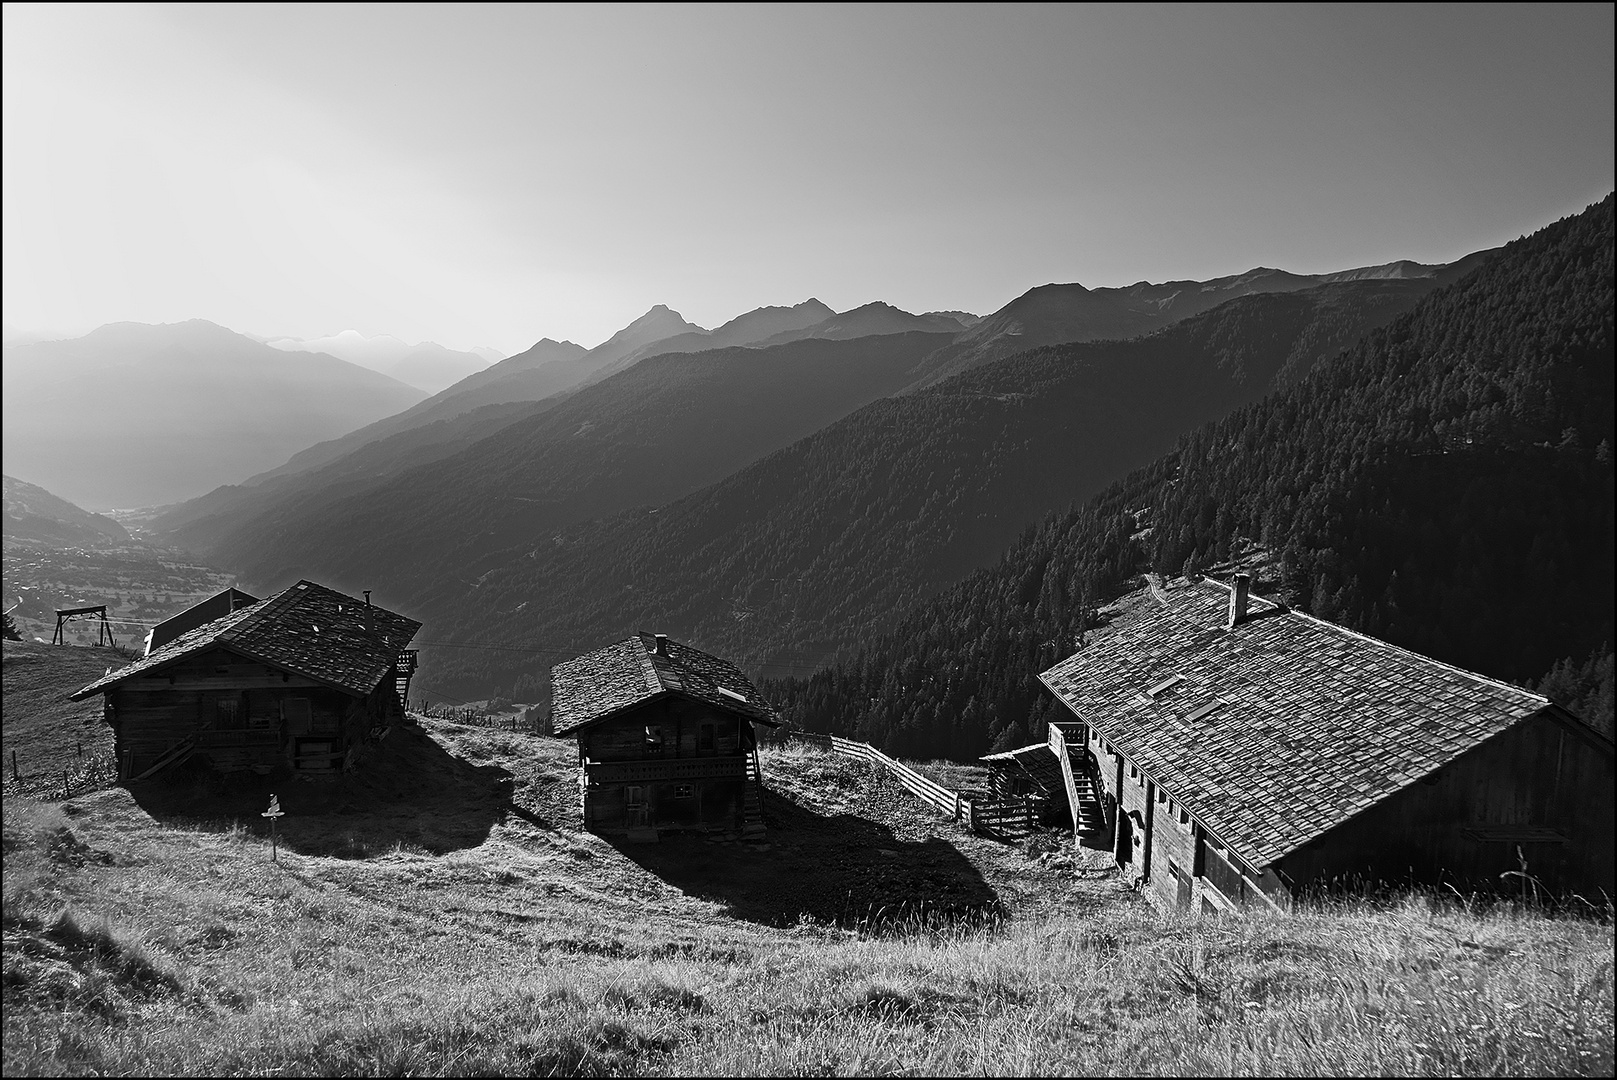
(816, 546)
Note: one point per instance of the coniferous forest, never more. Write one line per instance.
(1444, 484)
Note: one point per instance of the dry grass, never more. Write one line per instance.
(138, 946)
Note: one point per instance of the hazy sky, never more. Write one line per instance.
(496, 175)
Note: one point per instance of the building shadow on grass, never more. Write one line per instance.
(409, 793)
(840, 869)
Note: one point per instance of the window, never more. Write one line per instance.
(1184, 816)
(684, 791)
(1164, 686)
(704, 738)
(227, 713)
(654, 739)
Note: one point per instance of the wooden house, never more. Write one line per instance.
(1249, 754)
(300, 680)
(666, 738)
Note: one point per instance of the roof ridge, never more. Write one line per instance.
(648, 667)
(1286, 609)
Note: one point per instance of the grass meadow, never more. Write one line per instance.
(446, 915)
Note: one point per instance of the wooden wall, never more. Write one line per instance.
(674, 789)
(686, 729)
(238, 710)
(1463, 824)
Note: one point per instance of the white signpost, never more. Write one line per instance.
(273, 813)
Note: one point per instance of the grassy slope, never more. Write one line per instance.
(443, 914)
(46, 730)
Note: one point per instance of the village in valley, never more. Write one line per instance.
(1205, 669)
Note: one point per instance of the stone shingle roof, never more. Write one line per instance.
(598, 685)
(308, 630)
(1314, 724)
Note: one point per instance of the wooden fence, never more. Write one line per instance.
(531, 722)
(1000, 819)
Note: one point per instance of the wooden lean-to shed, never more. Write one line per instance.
(298, 681)
(1249, 754)
(666, 738)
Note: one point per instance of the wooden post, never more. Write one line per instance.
(14, 774)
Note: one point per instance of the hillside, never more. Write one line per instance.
(663, 428)
(833, 538)
(34, 514)
(1446, 484)
(49, 734)
(440, 913)
(136, 415)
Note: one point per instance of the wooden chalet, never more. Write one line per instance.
(666, 738)
(298, 681)
(1247, 754)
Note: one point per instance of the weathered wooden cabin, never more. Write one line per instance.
(1249, 754)
(666, 738)
(300, 680)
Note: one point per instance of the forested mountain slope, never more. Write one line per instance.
(657, 431)
(1446, 485)
(830, 539)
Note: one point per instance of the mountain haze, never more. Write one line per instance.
(428, 367)
(132, 414)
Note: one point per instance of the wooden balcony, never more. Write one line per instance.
(632, 772)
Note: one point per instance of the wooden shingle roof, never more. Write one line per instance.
(1311, 723)
(598, 685)
(308, 630)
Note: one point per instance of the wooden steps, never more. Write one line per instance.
(752, 800)
(1091, 817)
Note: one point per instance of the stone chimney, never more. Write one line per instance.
(662, 644)
(1240, 590)
(370, 617)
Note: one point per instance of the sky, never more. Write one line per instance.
(494, 175)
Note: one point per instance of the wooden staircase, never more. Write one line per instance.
(1089, 815)
(172, 756)
(1069, 741)
(403, 668)
(752, 800)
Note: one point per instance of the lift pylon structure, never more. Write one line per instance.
(64, 614)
